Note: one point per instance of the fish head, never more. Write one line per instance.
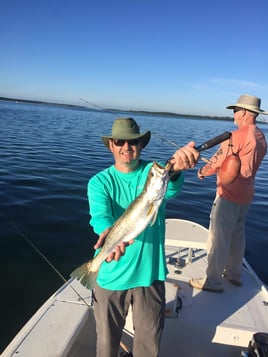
(157, 180)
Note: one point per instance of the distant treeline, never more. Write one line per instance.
(120, 110)
(37, 102)
(168, 114)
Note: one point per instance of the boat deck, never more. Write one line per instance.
(207, 323)
(218, 322)
(198, 323)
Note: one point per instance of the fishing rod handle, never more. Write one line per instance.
(215, 141)
(210, 143)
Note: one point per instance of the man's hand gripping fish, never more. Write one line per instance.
(141, 212)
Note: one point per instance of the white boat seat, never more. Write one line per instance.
(179, 233)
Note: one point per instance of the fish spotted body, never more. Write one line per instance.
(139, 214)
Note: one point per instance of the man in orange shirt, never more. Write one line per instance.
(226, 239)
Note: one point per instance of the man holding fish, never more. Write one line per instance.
(128, 200)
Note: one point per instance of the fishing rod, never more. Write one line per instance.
(214, 141)
(98, 107)
(210, 143)
(110, 111)
(206, 145)
(29, 241)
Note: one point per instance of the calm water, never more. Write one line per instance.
(47, 155)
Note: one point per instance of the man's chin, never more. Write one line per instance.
(127, 158)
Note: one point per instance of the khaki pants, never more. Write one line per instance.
(226, 241)
(111, 308)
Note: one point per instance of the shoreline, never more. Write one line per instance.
(109, 110)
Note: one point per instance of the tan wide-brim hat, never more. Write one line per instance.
(126, 129)
(248, 102)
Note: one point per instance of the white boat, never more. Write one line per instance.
(198, 323)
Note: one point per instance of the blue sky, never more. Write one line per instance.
(192, 57)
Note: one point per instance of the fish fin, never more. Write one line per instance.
(85, 275)
(153, 212)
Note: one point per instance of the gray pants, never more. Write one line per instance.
(111, 308)
(226, 241)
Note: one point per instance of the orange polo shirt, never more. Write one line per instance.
(250, 144)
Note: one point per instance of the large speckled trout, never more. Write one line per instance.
(139, 214)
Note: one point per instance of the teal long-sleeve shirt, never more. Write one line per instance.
(109, 193)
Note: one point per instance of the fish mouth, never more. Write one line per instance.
(167, 166)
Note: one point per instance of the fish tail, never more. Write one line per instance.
(85, 275)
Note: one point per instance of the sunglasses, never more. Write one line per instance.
(121, 142)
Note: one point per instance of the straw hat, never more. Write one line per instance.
(126, 129)
(248, 102)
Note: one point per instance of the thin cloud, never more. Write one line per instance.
(233, 82)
